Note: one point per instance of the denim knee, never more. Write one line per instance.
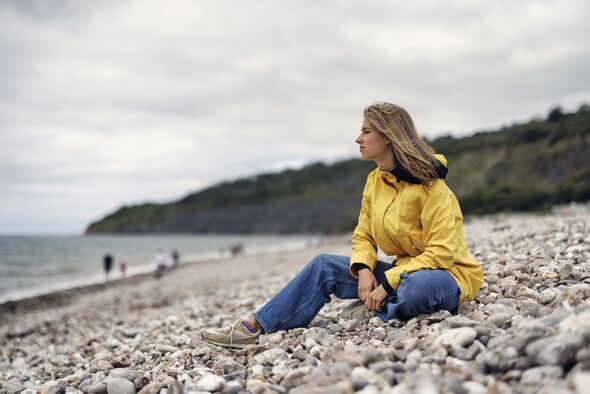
(429, 290)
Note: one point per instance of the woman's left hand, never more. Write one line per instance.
(376, 298)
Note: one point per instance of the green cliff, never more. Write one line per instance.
(523, 167)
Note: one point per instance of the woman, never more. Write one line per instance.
(408, 211)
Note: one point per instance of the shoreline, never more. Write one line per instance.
(62, 296)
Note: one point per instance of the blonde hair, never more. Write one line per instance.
(410, 151)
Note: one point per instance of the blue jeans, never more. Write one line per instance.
(296, 305)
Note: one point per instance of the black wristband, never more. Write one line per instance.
(358, 267)
(387, 287)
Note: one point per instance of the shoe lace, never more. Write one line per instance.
(231, 331)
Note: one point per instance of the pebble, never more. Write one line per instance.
(210, 382)
(98, 388)
(13, 386)
(152, 388)
(120, 386)
(581, 382)
(271, 356)
(529, 323)
(555, 350)
(534, 376)
(457, 337)
(104, 365)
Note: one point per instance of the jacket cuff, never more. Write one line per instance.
(355, 268)
(387, 287)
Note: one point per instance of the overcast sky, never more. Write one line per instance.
(105, 103)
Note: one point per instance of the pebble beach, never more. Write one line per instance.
(527, 331)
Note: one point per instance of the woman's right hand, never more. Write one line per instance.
(367, 283)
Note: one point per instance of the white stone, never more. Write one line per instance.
(120, 386)
(457, 337)
(271, 356)
(581, 382)
(257, 369)
(577, 324)
(473, 387)
(210, 382)
(547, 296)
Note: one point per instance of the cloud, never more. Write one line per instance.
(113, 102)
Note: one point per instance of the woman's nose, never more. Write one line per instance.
(358, 139)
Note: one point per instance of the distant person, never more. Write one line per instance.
(123, 268)
(160, 263)
(175, 257)
(108, 265)
(237, 249)
(407, 210)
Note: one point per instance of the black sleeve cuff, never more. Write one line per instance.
(357, 267)
(387, 287)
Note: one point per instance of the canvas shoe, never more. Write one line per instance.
(235, 335)
(357, 310)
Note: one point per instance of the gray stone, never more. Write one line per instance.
(474, 350)
(537, 375)
(371, 355)
(397, 335)
(125, 374)
(547, 296)
(555, 350)
(577, 325)
(460, 321)
(84, 385)
(500, 320)
(120, 386)
(413, 359)
(338, 388)
(352, 325)
(98, 388)
(104, 365)
(166, 348)
(120, 361)
(271, 356)
(361, 377)
(299, 354)
(581, 381)
(275, 338)
(152, 388)
(130, 332)
(233, 387)
(499, 360)
(141, 382)
(295, 377)
(457, 337)
(210, 382)
(227, 365)
(473, 387)
(335, 328)
(174, 387)
(340, 369)
(320, 336)
(369, 389)
(13, 386)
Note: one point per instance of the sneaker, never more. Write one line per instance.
(357, 310)
(235, 335)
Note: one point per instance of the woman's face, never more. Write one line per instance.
(373, 145)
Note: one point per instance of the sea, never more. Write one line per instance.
(36, 265)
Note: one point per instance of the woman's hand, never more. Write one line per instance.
(367, 283)
(375, 299)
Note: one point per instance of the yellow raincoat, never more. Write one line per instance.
(422, 227)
